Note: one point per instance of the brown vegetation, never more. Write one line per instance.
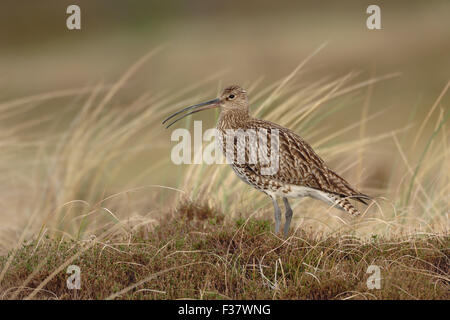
(193, 254)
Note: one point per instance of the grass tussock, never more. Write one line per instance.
(193, 253)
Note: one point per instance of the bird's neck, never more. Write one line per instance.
(232, 119)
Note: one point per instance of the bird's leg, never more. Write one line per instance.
(288, 215)
(277, 215)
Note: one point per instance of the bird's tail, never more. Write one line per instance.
(345, 205)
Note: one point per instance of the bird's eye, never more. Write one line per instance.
(231, 96)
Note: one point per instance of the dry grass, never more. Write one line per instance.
(99, 169)
(193, 254)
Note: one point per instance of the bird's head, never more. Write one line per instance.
(232, 98)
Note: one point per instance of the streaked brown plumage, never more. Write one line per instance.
(301, 172)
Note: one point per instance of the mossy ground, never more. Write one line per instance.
(194, 253)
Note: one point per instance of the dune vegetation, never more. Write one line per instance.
(193, 254)
(91, 184)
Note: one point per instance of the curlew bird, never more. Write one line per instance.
(299, 171)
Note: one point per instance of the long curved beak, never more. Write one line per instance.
(193, 109)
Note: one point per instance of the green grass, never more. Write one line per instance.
(195, 253)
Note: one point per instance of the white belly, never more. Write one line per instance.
(300, 192)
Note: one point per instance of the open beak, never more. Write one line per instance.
(193, 109)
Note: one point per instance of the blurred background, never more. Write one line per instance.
(49, 73)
